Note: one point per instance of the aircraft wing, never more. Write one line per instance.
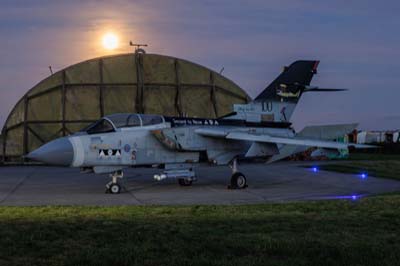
(279, 140)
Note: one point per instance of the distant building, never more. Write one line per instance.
(396, 137)
(388, 137)
(365, 137)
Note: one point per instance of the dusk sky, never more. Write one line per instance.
(358, 43)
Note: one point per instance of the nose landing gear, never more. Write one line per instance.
(113, 186)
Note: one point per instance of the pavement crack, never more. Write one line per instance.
(17, 186)
(135, 198)
(131, 193)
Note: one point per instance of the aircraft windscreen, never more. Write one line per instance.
(101, 126)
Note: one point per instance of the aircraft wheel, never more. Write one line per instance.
(238, 180)
(115, 188)
(185, 182)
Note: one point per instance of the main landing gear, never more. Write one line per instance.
(113, 186)
(238, 180)
(185, 182)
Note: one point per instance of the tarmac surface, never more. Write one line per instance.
(279, 182)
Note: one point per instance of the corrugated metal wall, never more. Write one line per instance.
(143, 83)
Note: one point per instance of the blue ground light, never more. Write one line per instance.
(363, 175)
(349, 197)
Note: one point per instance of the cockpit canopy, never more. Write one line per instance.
(113, 122)
(100, 126)
(124, 120)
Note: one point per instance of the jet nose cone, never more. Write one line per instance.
(56, 152)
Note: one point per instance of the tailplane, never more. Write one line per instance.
(325, 132)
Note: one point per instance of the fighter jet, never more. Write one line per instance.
(260, 129)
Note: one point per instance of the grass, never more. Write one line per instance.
(374, 157)
(384, 169)
(378, 165)
(362, 232)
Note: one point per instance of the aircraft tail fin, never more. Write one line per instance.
(278, 101)
(291, 83)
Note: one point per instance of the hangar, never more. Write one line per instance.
(69, 99)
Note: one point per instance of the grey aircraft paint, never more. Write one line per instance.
(260, 129)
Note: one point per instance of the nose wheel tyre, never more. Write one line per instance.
(238, 181)
(184, 182)
(115, 188)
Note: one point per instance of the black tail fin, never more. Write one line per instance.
(291, 83)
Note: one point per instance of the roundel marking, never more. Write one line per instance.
(127, 148)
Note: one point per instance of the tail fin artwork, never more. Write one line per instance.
(291, 83)
(276, 103)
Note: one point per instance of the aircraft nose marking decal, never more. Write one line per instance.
(133, 157)
(109, 153)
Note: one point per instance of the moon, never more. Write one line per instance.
(110, 41)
